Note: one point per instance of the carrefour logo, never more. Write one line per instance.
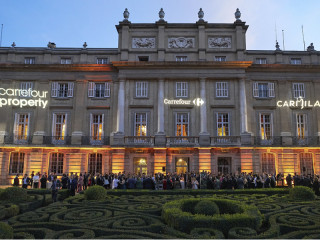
(197, 102)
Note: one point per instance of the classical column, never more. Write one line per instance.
(243, 107)
(203, 107)
(120, 111)
(161, 106)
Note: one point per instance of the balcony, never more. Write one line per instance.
(225, 141)
(94, 141)
(57, 140)
(306, 141)
(18, 140)
(182, 141)
(272, 141)
(137, 141)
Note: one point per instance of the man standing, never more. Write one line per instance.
(25, 181)
(54, 189)
(16, 181)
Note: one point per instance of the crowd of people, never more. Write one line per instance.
(205, 180)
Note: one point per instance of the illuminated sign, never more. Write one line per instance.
(197, 102)
(299, 103)
(16, 97)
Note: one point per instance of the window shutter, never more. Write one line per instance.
(91, 120)
(271, 89)
(70, 89)
(16, 125)
(186, 89)
(54, 89)
(66, 123)
(28, 125)
(91, 89)
(107, 90)
(305, 125)
(255, 90)
(147, 124)
(102, 120)
(302, 90)
(54, 119)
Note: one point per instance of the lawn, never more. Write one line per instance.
(138, 214)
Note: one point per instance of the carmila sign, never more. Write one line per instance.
(16, 97)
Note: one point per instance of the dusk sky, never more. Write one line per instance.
(69, 23)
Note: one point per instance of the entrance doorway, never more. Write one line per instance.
(306, 164)
(140, 165)
(224, 165)
(182, 164)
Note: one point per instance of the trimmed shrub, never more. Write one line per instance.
(301, 193)
(14, 194)
(63, 194)
(206, 233)
(206, 207)
(6, 231)
(95, 193)
(12, 211)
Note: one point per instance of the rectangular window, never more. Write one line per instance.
(223, 124)
(298, 90)
(95, 163)
(306, 164)
(96, 126)
(261, 61)
(265, 126)
(182, 124)
(263, 90)
(222, 89)
(65, 61)
(29, 60)
(56, 163)
(26, 86)
(143, 58)
(98, 90)
(16, 163)
(21, 127)
(220, 58)
(181, 58)
(301, 125)
(141, 89)
(140, 124)
(182, 89)
(59, 126)
(102, 60)
(295, 61)
(62, 90)
(268, 163)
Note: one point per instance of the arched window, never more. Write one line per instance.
(56, 163)
(16, 163)
(95, 163)
(306, 164)
(268, 163)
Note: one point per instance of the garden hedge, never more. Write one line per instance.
(95, 193)
(301, 193)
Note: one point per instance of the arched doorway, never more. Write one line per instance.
(224, 165)
(140, 165)
(182, 165)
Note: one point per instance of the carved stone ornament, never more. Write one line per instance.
(219, 42)
(181, 42)
(143, 42)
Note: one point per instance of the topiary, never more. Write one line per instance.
(12, 211)
(6, 231)
(206, 207)
(14, 194)
(302, 193)
(95, 193)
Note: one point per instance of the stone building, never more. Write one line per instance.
(171, 98)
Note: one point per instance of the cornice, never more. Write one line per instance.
(56, 67)
(283, 68)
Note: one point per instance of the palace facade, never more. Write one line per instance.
(171, 98)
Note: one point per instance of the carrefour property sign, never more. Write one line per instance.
(23, 98)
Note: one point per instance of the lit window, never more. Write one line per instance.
(298, 90)
(59, 127)
(223, 124)
(265, 126)
(56, 163)
(222, 89)
(62, 90)
(261, 61)
(26, 86)
(263, 90)
(16, 163)
(140, 124)
(98, 90)
(295, 61)
(102, 60)
(29, 60)
(220, 58)
(181, 89)
(301, 125)
(306, 164)
(96, 127)
(181, 58)
(143, 58)
(21, 127)
(182, 124)
(268, 163)
(65, 61)
(141, 89)
(95, 163)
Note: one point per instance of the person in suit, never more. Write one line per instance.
(16, 181)
(54, 189)
(43, 181)
(25, 181)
